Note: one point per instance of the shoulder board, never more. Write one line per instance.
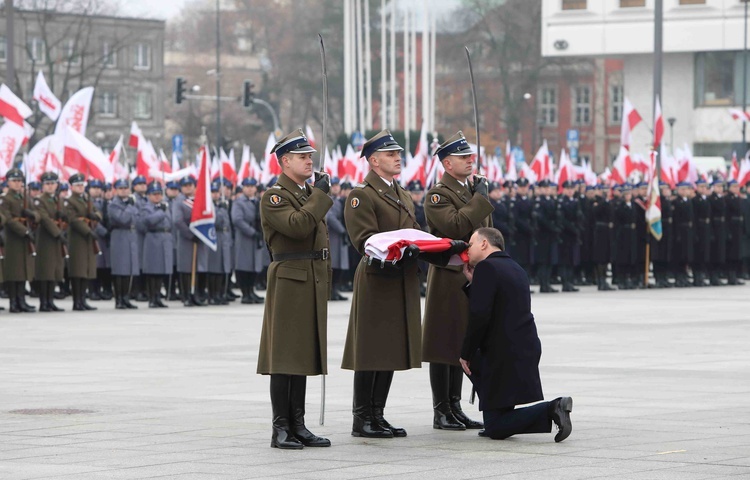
(277, 187)
(361, 185)
(439, 184)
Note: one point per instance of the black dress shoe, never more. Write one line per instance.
(377, 414)
(561, 408)
(366, 427)
(54, 308)
(482, 433)
(153, 304)
(107, 295)
(283, 438)
(86, 306)
(95, 296)
(44, 308)
(570, 289)
(461, 417)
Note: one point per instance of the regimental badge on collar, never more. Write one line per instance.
(274, 199)
(354, 202)
(434, 198)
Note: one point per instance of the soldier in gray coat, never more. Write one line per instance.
(338, 239)
(96, 286)
(123, 215)
(248, 240)
(172, 192)
(181, 212)
(157, 244)
(139, 194)
(219, 261)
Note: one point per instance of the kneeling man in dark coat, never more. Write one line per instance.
(501, 349)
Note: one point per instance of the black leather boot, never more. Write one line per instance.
(83, 284)
(156, 286)
(94, 287)
(75, 284)
(443, 418)
(380, 388)
(151, 292)
(282, 436)
(21, 296)
(14, 307)
(297, 390)
(364, 424)
(43, 300)
(213, 291)
(117, 284)
(456, 381)
(49, 288)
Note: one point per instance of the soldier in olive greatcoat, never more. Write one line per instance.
(18, 266)
(83, 240)
(455, 207)
(50, 241)
(293, 340)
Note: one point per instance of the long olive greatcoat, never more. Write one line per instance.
(82, 262)
(19, 263)
(452, 212)
(50, 264)
(294, 336)
(385, 331)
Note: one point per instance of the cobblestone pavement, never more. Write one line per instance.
(660, 381)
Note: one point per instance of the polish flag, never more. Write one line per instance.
(328, 164)
(564, 172)
(527, 173)
(49, 104)
(225, 166)
(348, 164)
(12, 108)
(271, 167)
(744, 175)
(75, 113)
(175, 162)
(734, 170)
(630, 118)
(622, 167)
(38, 158)
(203, 217)
(740, 115)
(658, 124)
(165, 164)
(28, 132)
(146, 159)
(135, 135)
(433, 165)
(669, 167)
(510, 163)
(11, 139)
(541, 163)
(414, 169)
(85, 157)
(686, 171)
(244, 170)
(310, 136)
(653, 208)
(588, 174)
(120, 171)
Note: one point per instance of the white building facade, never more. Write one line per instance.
(702, 61)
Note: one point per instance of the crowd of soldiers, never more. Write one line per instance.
(126, 242)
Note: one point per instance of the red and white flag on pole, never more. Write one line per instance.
(85, 157)
(271, 167)
(135, 135)
(510, 163)
(11, 139)
(203, 217)
(541, 163)
(75, 113)
(740, 115)
(119, 170)
(12, 108)
(734, 170)
(658, 124)
(49, 104)
(743, 177)
(630, 118)
(565, 171)
(310, 136)
(146, 160)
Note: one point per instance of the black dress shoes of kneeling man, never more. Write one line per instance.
(558, 411)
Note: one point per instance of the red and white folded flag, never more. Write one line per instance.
(390, 246)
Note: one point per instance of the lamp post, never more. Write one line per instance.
(671, 121)
(744, 82)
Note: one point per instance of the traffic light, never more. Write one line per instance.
(180, 90)
(248, 95)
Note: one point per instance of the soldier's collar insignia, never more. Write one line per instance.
(434, 198)
(274, 199)
(354, 202)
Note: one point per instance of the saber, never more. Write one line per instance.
(319, 167)
(321, 158)
(476, 111)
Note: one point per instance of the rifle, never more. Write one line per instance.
(92, 224)
(62, 225)
(27, 221)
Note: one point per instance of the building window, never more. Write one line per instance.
(574, 4)
(615, 104)
(718, 78)
(107, 104)
(142, 107)
(142, 59)
(632, 3)
(36, 50)
(582, 105)
(696, 2)
(109, 55)
(70, 52)
(548, 105)
(3, 49)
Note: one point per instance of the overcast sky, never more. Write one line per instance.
(166, 9)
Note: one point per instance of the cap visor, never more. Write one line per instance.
(389, 148)
(307, 149)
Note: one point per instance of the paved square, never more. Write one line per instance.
(660, 381)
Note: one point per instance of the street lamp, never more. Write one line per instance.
(671, 121)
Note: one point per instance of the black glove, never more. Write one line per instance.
(162, 207)
(224, 204)
(481, 186)
(322, 182)
(129, 201)
(61, 216)
(29, 237)
(410, 254)
(28, 213)
(93, 217)
(457, 246)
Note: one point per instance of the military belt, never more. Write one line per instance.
(739, 219)
(315, 255)
(705, 220)
(160, 230)
(127, 229)
(685, 224)
(224, 230)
